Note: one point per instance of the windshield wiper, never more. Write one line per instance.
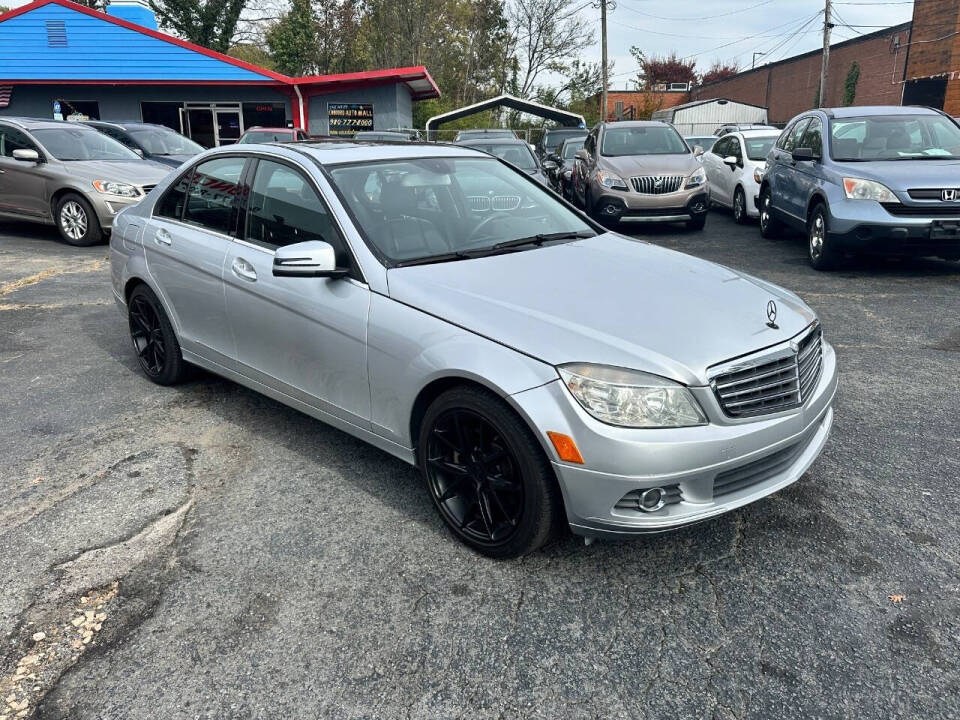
(541, 238)
(440, 258)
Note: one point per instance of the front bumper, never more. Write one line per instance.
(692, 461)
(670, 207)
(871, 228)
(107, 206)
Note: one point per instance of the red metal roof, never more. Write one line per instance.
(416, 78)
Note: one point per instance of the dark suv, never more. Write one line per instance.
(878, 180)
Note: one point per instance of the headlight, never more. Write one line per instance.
(698, 178)
(108, 187)
(757, 175)
(631, 398)
(858, 189)
(611, 181)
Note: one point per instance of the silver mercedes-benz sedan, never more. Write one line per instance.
(437, 303)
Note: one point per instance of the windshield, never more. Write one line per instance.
(161, 141)
(571, 147)
(759, 147)
(517, 155)
(426, 207)
(894, 137)
(553, 138)
(705, 142)
(266, 136)
(652, 140)
(82, 144)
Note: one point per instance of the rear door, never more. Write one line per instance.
(305, 337)
(186, 243)
(23, 185)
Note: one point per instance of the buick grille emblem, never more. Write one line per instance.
(772, 315)
(659, 181)
(948, 195)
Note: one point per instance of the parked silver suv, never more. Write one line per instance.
(641, 171)
(69, 175)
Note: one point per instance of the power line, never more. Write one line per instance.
(699, 17)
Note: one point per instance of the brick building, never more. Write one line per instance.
(789, 87)
(933, 62)
(638, 104)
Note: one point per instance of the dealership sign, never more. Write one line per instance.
(347, 119)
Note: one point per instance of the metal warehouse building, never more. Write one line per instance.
(58, 58)
(702, 117)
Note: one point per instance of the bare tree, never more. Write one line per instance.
(546, 34)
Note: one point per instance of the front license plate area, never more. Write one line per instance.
(945, 230)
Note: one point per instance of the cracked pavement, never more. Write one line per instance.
(270, 566)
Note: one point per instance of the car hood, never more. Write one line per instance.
(904, 174)
(609, 300)
(135, 172)
(630, 165)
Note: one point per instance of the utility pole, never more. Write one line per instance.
(827, 26)
(603, 59)
(753, 61)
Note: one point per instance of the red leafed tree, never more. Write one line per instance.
(719, 71)
(660, 69)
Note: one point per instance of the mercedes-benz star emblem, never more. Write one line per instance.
(772, 315)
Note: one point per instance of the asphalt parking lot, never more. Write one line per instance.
(204, 552)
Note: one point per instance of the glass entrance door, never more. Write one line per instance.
(212, 126)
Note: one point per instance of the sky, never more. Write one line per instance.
(731, 30)
(726, 30)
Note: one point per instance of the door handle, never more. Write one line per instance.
(242, 269)
(163, 237)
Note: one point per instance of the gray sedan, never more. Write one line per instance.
(437, 303)
(69, 175)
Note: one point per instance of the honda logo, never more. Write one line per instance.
(948, 195)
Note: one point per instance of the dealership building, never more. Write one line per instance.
(59, 59)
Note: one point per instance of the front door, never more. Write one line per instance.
(186, 246)
(215, 126)
(22, 184)
(229, 126)
(305, 337)
(200, 121)
(785, 195)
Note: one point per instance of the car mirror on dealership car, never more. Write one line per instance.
(698, 150)
(549, 165)
(803, 153)
(314, 258)
(26, 155)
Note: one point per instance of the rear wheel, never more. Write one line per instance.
(740, 206)
(769, 225)
(486, 474)
(76, 221)
(154, 341)
(821, 250)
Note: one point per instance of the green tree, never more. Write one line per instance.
(254, 54)
(850, 84)
(210, 23)
(293, 40)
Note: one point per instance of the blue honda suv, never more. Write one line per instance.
(870, 180)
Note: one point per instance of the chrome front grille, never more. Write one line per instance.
(656, 184)
(779, 381)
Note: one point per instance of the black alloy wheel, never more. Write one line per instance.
(486, 474)
(154, 341)
(769, 225)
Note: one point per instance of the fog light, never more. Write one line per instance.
(698, 207)
(652, 499)
(610, 210)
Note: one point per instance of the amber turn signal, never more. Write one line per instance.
(565, 446)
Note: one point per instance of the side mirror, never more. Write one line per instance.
(26, 155)
(803, 153)
(697, 150)
(582, 155)
(549, 165)
(138, 151)
(730, 160)
(314, 258)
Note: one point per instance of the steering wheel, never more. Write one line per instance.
(483, 224)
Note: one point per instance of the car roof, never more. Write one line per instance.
(871, 110)
(124, 125)
(636, 123)
(342, 151)
(261, 128)
(42, 123)
(759, 132)
(497, 140)
(565, 131)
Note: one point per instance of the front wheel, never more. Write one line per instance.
(821, 250)
(76, 221)
(740, 207)
(769, 225)
(486, 474)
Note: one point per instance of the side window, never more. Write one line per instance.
(793, 138)
(813, 137)
(782, 140)
(284, 209)
(213, 192)
(173, 200)
(736, 149)
(12, 139)
(721, 147)
(590, 144)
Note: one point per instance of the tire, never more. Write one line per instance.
(821, 250)
(770, 227)
(487, 475)
(740, 207)
(697, 222)
(154, 341)
(76, 221)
